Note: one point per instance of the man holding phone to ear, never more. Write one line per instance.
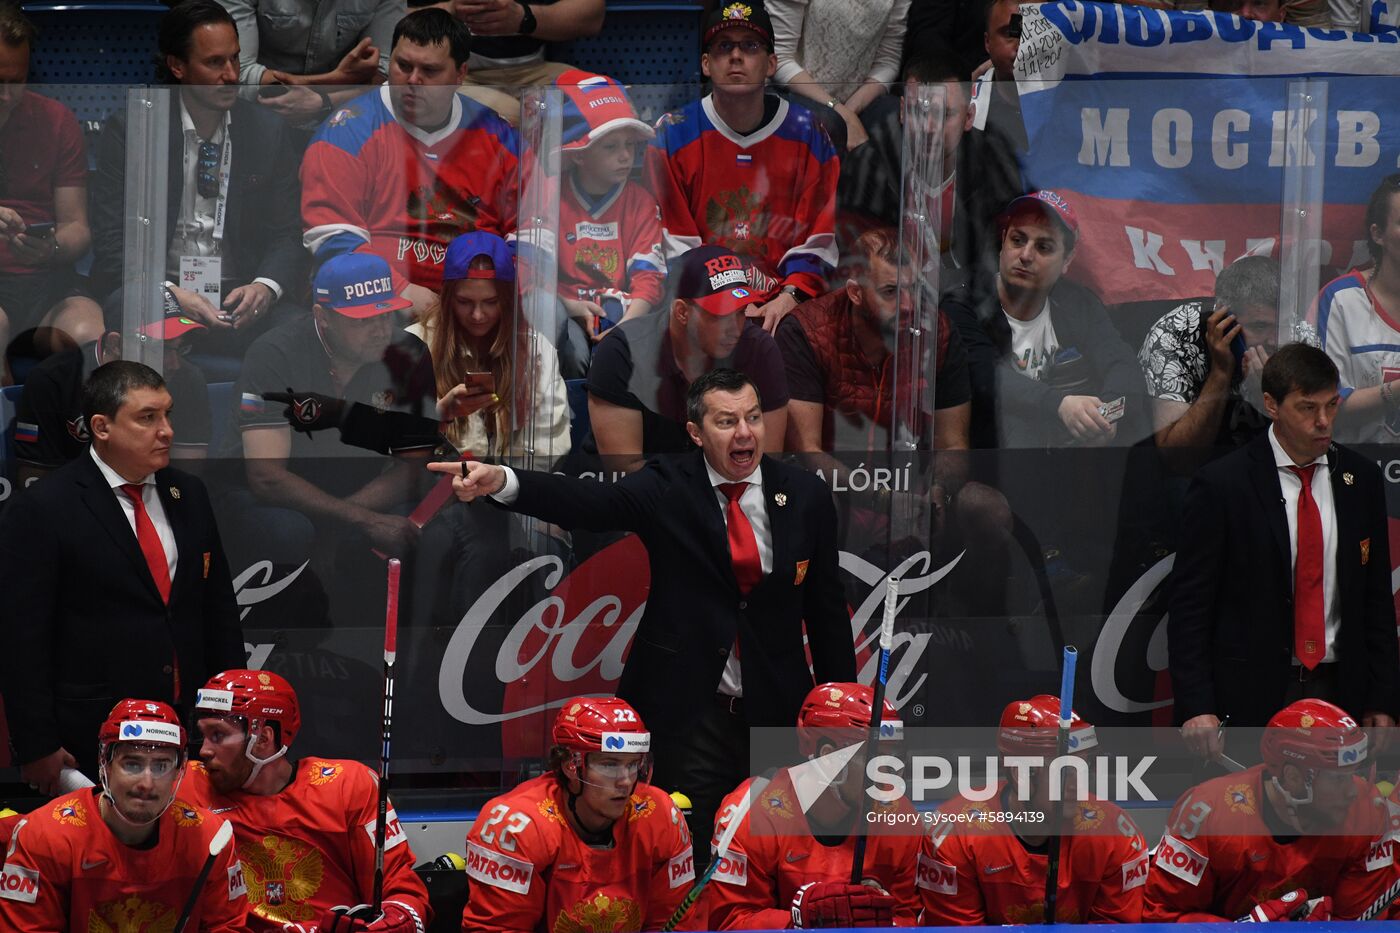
(1203, 361)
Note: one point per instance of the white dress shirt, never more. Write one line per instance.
(1326, 507)
(149, 498)
(751, 502)
(194, 224)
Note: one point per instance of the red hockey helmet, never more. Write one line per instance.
(145, 722)
(842, 706)
(1312, 734)
(259, 697)
(599, 724)
(1032, 726)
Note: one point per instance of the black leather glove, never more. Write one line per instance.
(309, 411)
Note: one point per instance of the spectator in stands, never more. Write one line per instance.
(1203, 369)
(838, 351)
(838, 59)
(498, 389)
(610, 263)
(997, 144)
(405, 168)
(231, 221)
(318, 53)
(873, 178)
(43, 195)
(637, 384)
(1046, 362)
(508, 52)
(1358, 331)
(50, 428)
(346, 348)
(501, 396)
(749, 171)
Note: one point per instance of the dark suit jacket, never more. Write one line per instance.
(694, 608)
(1230, 630)
(84, 624)
(262, 235)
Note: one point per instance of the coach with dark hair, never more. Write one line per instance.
(1281, 589)
(114, 582)
(742, 552)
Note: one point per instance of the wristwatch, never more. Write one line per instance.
(798, 295)
(527, 22)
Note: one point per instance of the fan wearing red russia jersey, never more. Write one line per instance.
(748, 171)
(985, 863)
(123, 856)
(304, 830)
(610, 263)
(406, 167)
(1302, 823)
(785, 868)
(589, 846)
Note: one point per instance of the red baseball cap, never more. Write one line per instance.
(714, 278)
(594, 106)
(1049, 203)
(173, 321)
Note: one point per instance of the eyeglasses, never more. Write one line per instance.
(208, 178)
(747, 46)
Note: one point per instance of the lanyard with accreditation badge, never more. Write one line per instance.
(204, 274)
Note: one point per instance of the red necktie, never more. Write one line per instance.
(743, 546)
(149, 541)
(1308, 633)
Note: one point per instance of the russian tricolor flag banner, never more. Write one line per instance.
(1171, 134)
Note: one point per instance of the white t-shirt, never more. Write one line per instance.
(1033, 343)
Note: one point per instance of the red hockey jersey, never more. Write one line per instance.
(974, 870)
(774, 853)
(611, 243)
(1218, 857)
(66, 871)
(369, 179)
(769, 196)
(530, 870)
(311, 847)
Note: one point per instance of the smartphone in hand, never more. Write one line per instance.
(39, 230)
(269, 91)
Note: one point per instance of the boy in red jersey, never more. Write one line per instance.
(610, 263)
(590, 845)
(1300, 837)
(305, 829)
(786, 868)
(120, 856)
(979, 868)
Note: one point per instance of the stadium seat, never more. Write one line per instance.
(88, 54)
(653, 47)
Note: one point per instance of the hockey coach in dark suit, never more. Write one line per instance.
(742, 552)
(114, 581)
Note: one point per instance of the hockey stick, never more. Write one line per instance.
(877, 705)
(721, 851)
(1387, 898)
(216, 845)
(1052, 868)
(391, 637)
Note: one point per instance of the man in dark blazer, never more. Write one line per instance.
(1232, 649)
(699, 616)
(222, 151)
(87, 620)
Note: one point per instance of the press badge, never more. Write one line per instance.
(202, 275)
